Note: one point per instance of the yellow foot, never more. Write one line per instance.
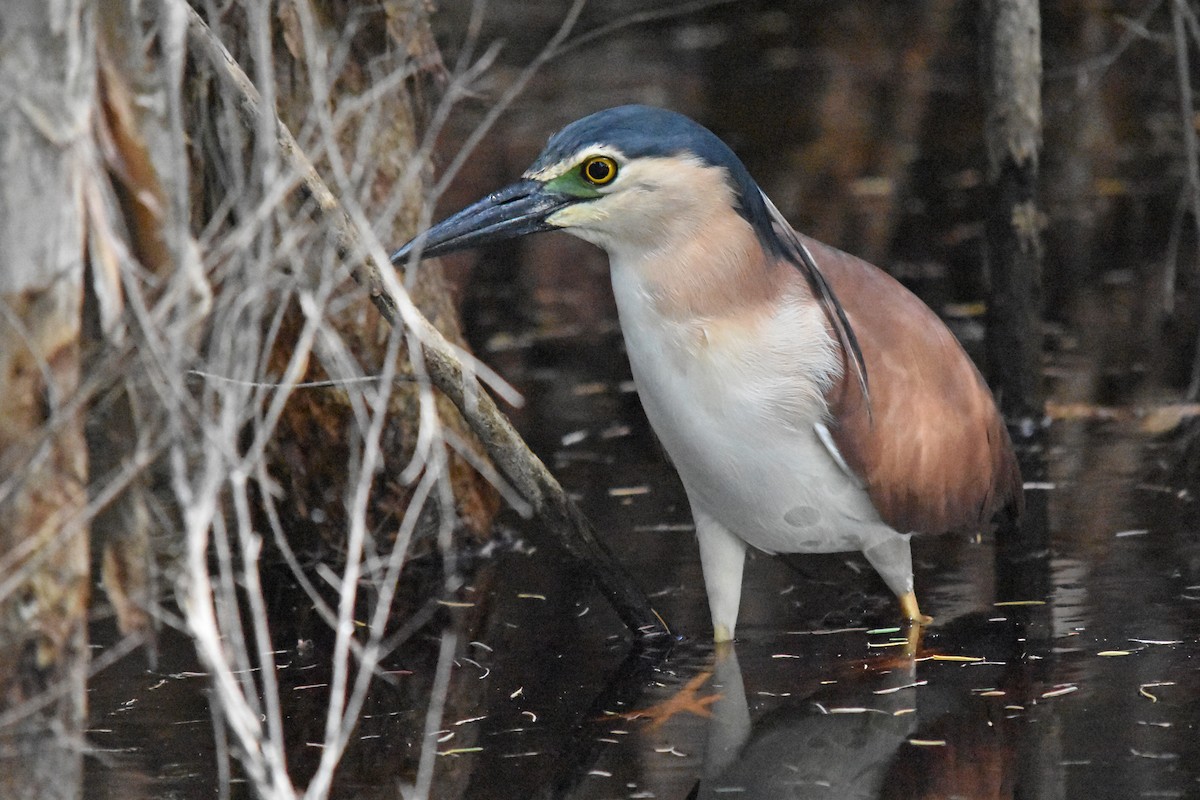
(912, 612)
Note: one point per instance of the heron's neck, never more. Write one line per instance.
(711, 269)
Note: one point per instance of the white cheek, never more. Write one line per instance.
(580, 215)
(644, 217)
(583, 221)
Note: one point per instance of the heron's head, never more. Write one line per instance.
(632, 178)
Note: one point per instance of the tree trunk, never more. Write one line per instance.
(388, 139)
(47, 69)
(1013, 77)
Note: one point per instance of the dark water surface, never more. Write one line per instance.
(1089, 689)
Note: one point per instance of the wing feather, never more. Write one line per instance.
(796, 252)
(928, 441)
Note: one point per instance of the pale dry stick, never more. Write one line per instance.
(264, 480)
(264, 762)
(237, 474)
(444, 363)
(394, 303)
(216, 627)
(433, 714)
(334, 353)
(264, 430)
(164, 348)
(221, 751)
(234, 399)
(343, 711)
(218, 641)
(229, 415)
(1193, 22)
(397, 304)
(1171, 255)
(266, 157)
(433, 128)
(227, 606)
(317, 69)
(429, 427)
(319, 605)
(251, 548)
(337, 731)
(1089, 70)
(228, 613)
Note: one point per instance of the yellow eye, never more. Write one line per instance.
(599, 170)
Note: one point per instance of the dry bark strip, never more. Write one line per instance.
(45, 157)
(524, 470)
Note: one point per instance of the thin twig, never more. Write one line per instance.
(433, 715)
(1093, 67)
(510, 94)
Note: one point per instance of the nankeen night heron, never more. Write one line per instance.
(810, 403)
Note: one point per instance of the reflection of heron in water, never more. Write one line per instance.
(864, 736)
(839, 744)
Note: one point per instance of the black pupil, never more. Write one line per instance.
(599, 171)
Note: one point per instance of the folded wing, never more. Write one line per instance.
(932, 449)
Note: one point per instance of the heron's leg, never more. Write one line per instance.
(722, 556)
(912, 611)
(891, 556)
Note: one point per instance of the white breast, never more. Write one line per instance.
(736, 402)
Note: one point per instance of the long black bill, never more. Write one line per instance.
(513, 211)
